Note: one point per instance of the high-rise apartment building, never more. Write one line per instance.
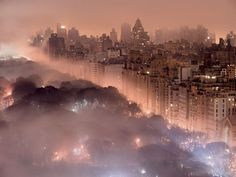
(125, 33)
(113, 36)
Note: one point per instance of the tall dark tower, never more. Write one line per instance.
(73, 36)
(140, 38)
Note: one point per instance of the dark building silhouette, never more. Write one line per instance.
(73, 36)
(106, 42)
(56, 45)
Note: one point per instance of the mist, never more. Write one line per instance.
(61, 126)
(20, 20)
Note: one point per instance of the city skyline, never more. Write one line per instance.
(115, 88)
(104, 15)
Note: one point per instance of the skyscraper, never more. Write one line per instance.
(73, 36)
(56, 45)
(61, 31)
(113, 35)
(231, 37)
(140, 37)
(125, 33)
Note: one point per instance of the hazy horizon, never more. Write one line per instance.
(19, 20)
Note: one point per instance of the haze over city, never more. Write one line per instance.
(115, 88)
(21, 18)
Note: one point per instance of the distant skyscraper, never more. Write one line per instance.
(125, 33)
(73, 36)
(140, 38)
(61, 31)
(113, 35)
(231, 37)
(56, 45)
(48, 33)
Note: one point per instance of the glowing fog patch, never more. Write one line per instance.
(7, 50)
(76, 154)
(218, 164)
(59, 156)
(81, 153)
(143, 171)
(81, 105)
(78, 106)
(138, 143)
(8, 92)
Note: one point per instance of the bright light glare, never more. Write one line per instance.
(143, 171)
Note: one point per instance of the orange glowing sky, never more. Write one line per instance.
(19, 18)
